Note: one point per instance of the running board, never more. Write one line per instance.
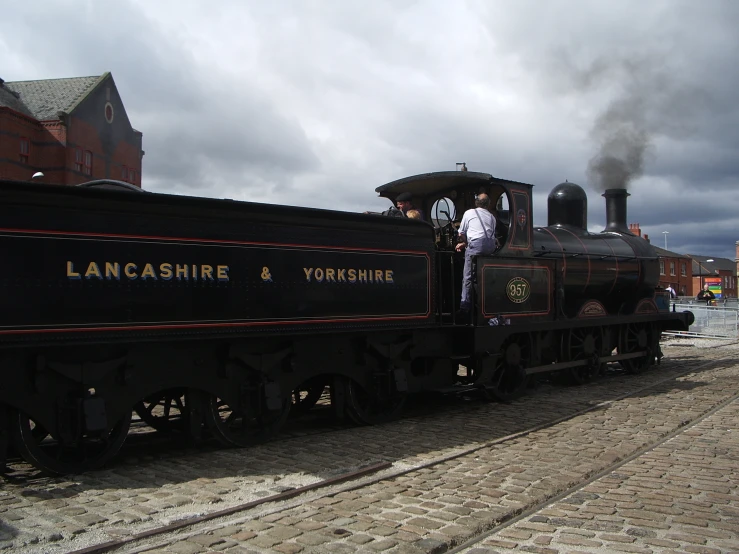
(581, 363)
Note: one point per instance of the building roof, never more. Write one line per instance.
(707, 267)
(11, 99)
(669, 254)
(47, 97)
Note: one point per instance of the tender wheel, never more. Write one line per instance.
(165, 411)
(245, 424)
(635, 337)
(307, 395)
(380, 404)
(583, 344)
(88, 452)
(509, 377)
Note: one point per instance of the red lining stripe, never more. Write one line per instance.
(204, 241)
(564, 260)
(615, 259)
(586, 252)
(199, 325)
(519, 314)
(74, 234)
(528, 221)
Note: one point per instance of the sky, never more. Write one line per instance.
(318, 102)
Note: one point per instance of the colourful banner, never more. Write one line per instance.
(714, 285)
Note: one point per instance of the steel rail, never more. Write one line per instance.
(458, 454)
(110, 545)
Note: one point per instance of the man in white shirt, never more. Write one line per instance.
(477, 236)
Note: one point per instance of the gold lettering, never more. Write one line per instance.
(388, 275)
(341, 275)
(378, 275)
(318, 274)
(112, 270)
(165, 271)
(352, 273)
(93, 270)
(71, 273)
(330, 275)
(148, 272)
(308, 272)
(363, 275)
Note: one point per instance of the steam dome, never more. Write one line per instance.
(567, 204)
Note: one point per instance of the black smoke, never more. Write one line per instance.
(648, 100)
(622, 132)
(623, 142)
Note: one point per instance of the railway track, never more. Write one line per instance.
(273, 504)
(509, 522)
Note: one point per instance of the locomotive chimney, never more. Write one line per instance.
(616, 210)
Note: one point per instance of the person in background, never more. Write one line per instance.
(477, 237)
(672, 292)
(706, 295)
(413, 214)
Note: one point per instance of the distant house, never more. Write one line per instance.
(73, 130)
(719, 274)
(673, 267)
(674, 270)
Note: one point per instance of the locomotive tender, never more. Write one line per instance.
(232, 314)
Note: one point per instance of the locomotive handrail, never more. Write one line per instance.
(590, 255)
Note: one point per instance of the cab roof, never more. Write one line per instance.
(430, 184)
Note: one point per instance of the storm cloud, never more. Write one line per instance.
(318, 103)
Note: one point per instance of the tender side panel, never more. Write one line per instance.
(62, 283)
(515, 288)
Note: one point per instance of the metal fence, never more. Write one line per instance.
(720, 322)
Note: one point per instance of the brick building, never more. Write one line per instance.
(673, 267)
(73, 130)
(675, 270)
(719, 274)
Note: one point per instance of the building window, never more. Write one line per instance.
(25, 150)
(88, 162)
(683, 269)
(672, 268)
(661, 267)
(124, 173)
(78, 159)
(132, 176)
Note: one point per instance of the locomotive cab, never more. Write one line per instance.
(444, 197)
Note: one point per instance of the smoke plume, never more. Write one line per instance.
(648, 101)
(622, 132)
(623, 140)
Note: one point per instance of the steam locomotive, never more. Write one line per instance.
(218, 318)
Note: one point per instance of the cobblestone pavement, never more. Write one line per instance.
(425, 510)
(682, 496)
